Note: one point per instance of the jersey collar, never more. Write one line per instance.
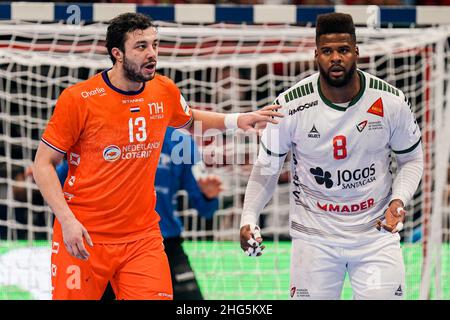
(362, 81)
(127, 93)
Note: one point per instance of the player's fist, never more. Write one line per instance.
(251, 240)
(393, 217)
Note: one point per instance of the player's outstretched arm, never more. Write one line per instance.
(47, 180)
(245, 121)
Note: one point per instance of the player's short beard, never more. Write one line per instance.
(133, 71)
(341, 82)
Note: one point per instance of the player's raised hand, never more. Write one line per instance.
(73, 233)
(393, 217)
(259, 119)
(210, 186)
(251, 240)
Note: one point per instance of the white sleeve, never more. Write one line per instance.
(405, 136)
(276, 142)
(410, 169)
(260, 188)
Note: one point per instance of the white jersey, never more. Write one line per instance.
(341, 178)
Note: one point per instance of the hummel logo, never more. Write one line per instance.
(314, 133)
(399, 291)
(322, 178)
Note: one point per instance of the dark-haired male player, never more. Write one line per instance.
(112, 127)
(341, 125)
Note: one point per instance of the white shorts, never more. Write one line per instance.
(376, 270)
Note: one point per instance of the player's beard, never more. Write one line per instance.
(134, 72)
(338, 82)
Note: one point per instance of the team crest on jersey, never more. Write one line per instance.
(360, 126)
(377, 108)
(111, 153)
(371, 125)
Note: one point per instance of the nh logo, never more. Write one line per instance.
(156, 108)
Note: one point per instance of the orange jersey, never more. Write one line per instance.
(113, 140)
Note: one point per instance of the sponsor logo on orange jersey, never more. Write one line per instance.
(87, 94)
(156, 110)
(111, 153)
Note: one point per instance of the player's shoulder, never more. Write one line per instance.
(300, 91)
(388, 92)
(301, 96)
(161, 86)
(163, 81)
(299, 99)
(84, 89)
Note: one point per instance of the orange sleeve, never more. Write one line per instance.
(181, 113)
(65, 126)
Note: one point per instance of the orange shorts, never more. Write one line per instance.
(137, 270)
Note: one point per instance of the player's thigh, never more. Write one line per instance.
(72, 278)
(379, 272)
(317, 271)
(144, 273)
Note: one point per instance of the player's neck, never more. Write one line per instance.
(117, 78)
(341, 94)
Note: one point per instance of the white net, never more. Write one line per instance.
(225, 68)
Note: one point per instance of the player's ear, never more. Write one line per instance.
(357, 50)
(117, 54)
(315, 54)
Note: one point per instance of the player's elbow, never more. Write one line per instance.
(44, 162)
